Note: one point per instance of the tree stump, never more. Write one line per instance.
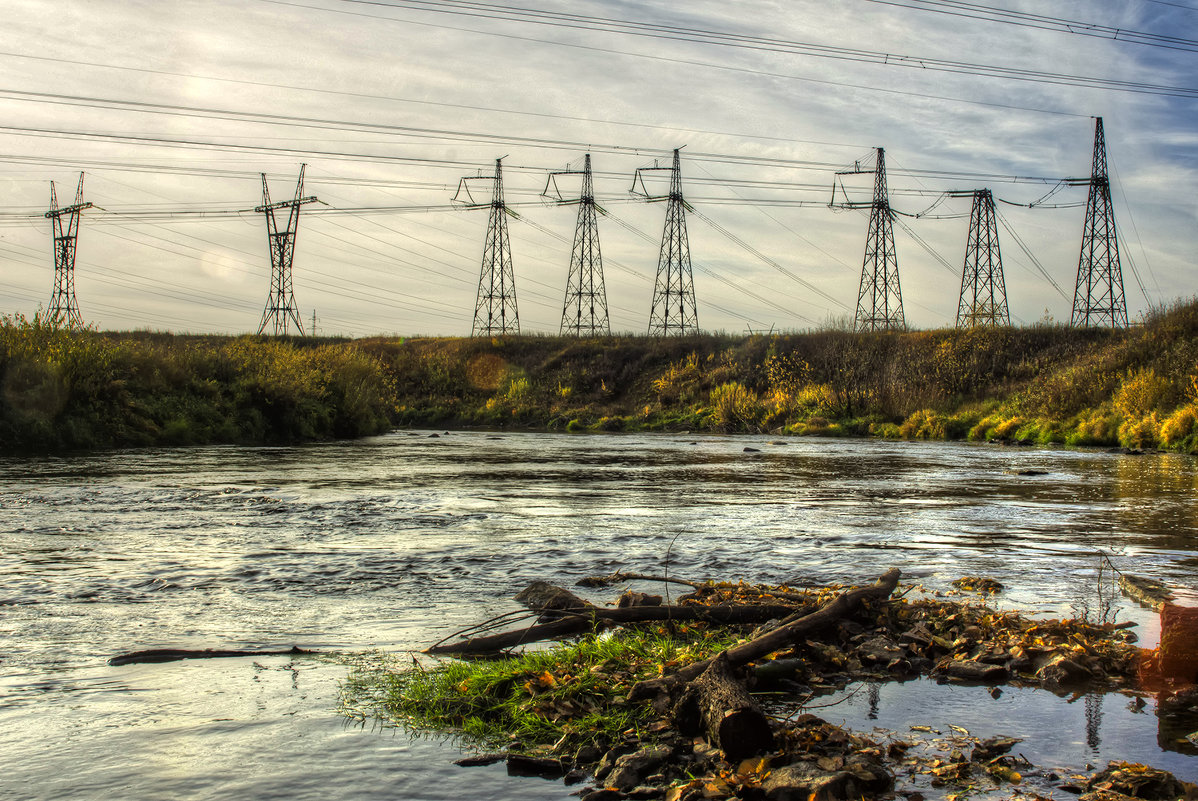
(718, 706)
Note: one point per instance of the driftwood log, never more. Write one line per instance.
(777, 638)
(175, 654)
(592, 618)
(620, 577)
(718, 706)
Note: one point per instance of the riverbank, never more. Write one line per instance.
(1046, 384)
(662, 709)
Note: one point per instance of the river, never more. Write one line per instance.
(394, 541)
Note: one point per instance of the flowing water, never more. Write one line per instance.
(396, 541)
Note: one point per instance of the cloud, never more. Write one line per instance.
(542, 96)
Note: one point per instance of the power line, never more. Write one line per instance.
(765, 44)
(958, 8)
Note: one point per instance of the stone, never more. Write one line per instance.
(480, 760)
(971, 670)
(631, 598)
(880, 649)
(871, 775)
(1061, 671)
(806, 781)
(587, 755)
(545, 767)
(988, 749)
(602, 794)
(608, 761)
(629, 770)
(542, 596)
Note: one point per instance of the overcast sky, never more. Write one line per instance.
(173, 108)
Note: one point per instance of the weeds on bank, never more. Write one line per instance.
(569, 694)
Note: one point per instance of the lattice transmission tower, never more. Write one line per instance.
(495, 310)
(1098, 298)
(64, 308)
(281, 311)
(673, 311)
(584, 312)
(983, 287)
(879, 298)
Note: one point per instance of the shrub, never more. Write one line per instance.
(735, 408)
(1179, 430)
(1141, 392)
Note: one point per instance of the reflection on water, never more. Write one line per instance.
(1171, 671)
(395, 541)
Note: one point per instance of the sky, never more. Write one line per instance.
(173, 110)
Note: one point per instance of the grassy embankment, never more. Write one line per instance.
(1051, 384)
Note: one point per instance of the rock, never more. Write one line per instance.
(574, 776)
(1137, 781)
(1061, 671)
(587, 754)
(630, 769)
(806, 781)
(971, 670)
(752, 450)
(545, 767)
(880, 649)
(603, 794)
(541, 596)
(987, 750)
(871, 775)
(608, 761)
(631, 598)
(480, 760)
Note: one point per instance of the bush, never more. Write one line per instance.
(1141, 392)
(735, 408)
(1180, 430)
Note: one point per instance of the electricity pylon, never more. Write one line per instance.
(280, 303)
(64, 308)
(1098, 298)
(673, 311)
(879, 298)
(495, 309)
(584, 312)
(983, 287)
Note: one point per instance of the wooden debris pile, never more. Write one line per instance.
(707, 735)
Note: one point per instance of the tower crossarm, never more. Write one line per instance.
(282, 204)
(72, 209)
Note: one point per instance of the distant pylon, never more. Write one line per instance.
(584, 312)
(673, 311)
(64, 308)
(1098, 296)
(879, 299)
(495, 309)
(983, 287)
(280, 303)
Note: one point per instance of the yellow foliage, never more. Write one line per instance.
(679, 380)
(1179, 427)
(1008, 427)
(1141, 392)
(734, 406)
(1140, 432)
